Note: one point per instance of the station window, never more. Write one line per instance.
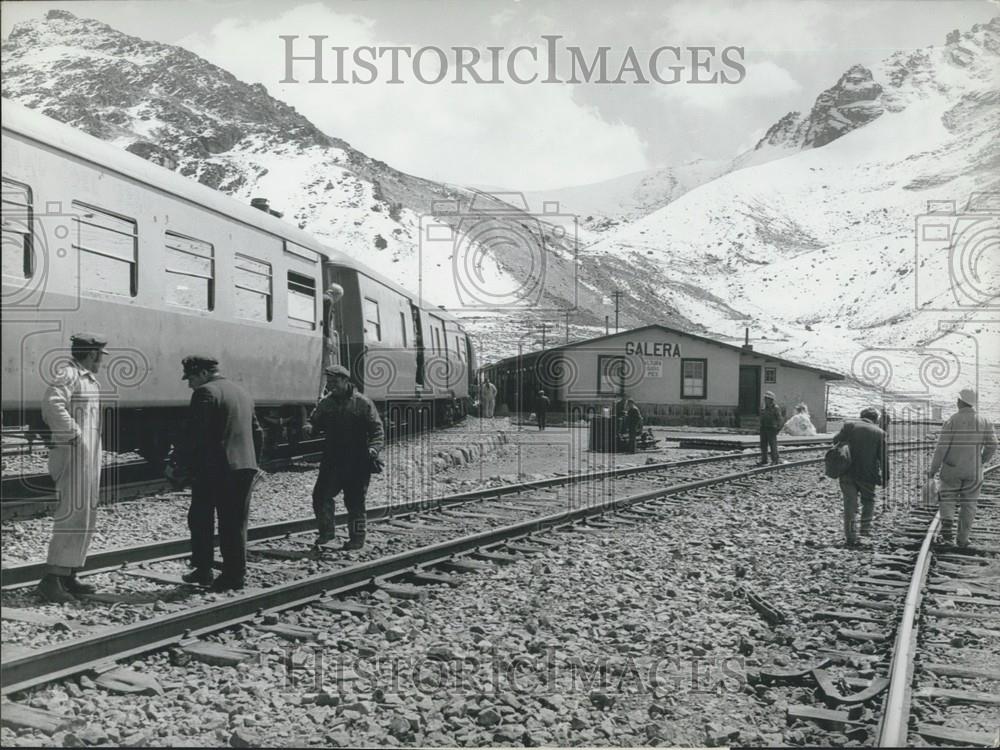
(18, 252)
(373, 322)
(108, 246)
(253, 289)
(301, 301)
(694, 383)
(770, 374)
(402, 327)
(190, 266)
(610, 373)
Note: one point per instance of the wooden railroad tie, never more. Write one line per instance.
(339, 605)
(430, 577)
(289, 632)
(958, 696)
(955, 736)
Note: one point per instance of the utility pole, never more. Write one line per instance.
(606, 329)
(544, 327)
(567, 326)
(618, 298)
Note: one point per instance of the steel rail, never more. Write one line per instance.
(105, 561)
(67, 658)
(894, 726)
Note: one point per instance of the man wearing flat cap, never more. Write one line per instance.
(71, 408)
(967, 443)
(771, 421)
(220, 455)
(866, 442)
(354, 438)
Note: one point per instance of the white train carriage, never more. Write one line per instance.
(95, 238)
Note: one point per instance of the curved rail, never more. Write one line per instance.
(894, 726)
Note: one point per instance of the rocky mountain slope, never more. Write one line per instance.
(176, 109)
(821, 249)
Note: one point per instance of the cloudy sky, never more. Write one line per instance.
(541, 135)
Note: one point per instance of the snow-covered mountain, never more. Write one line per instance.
(821, 248)
(172, 107)
(808, 238)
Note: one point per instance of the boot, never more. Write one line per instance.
(73, 586)
(357, 528)
(51, 589)
(199, 577)
(947, 531)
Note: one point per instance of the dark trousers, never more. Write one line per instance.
(228, 496)
(633, 437)
(541, 419)
(330, 482)
(769, 440)
(852, 489)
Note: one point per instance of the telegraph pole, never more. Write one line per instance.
(567, 326)
(618, 298)
(544, 327)
(606, 329)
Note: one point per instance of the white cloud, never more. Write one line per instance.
(519, 136)
(763, 81)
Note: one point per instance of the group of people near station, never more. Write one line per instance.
(218, 456)
(966, 444)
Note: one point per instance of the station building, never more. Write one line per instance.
(675, 378)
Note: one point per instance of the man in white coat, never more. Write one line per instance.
(71, 408)
(488, 398)
(967, 443)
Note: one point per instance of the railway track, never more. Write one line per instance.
(412, 543)
(913, 652)
(172, 549)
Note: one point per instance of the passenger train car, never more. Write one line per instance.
(97, 239)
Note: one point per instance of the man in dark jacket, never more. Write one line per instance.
(633, 424)
(220, 455)
(354, 438)
(771, 421)
(541, 408)
(866, 443)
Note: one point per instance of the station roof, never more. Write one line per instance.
(528, 357)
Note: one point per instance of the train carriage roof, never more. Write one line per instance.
(33, 125)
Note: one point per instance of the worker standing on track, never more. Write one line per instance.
(771, 421)
(488, 398)
(967, 442)
(867, 443)
(354, 438)
(220, 456)
(71, 408)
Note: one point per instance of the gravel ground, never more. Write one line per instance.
(37, 462)
(513, 655)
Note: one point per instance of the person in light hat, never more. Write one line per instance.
(71, 407)
(967, 442)
(354, 438)
(771, 420)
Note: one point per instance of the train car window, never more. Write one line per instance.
(190, 266)
(301, 301)
(402, 327)
(108, 245)
(693, 380)
(253, 289)
(18, 250)
(373, 323)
